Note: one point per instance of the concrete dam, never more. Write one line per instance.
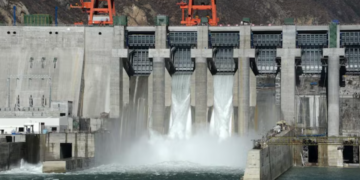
(178, 81)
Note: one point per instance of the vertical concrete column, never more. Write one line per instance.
(244, 54)
(201, 54)
(158, 55)
(158, 118)
(116, 77)
(201, 91)
(334, 89)
(288, 54)
(288, 83)
(253, 95)
(244, 95)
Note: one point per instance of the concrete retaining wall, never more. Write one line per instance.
(82, 145)
(11, 155)
(67, 165)
(270, 162)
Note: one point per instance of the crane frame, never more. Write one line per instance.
(92, 8)
(189, 20)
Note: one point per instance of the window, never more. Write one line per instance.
(54, 129)
(21, 129)
(62, 114)
(2, 131)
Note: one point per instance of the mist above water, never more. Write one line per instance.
(200, 150)
(25, 168)
(212, 147)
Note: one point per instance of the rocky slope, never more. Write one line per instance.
(143, 12)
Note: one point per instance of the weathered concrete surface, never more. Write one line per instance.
(54, 167)
(135, 117)
(334, 89)
(335, 156)
(158, 121)
(11, 155)
(201, 94)
(270, 162)
(288, 55)
(51, 58)
(158, 106)
(268, 113)
(288, 82)
(82, 145)
(67, 165)
(116, 81)
(243, 89)
(98, 57)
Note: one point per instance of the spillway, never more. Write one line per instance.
(221, 119)
(180, 119)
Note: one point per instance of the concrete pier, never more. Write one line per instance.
(158, 55)
(201, 91)
(201, 83)
(288, 55)
(244, 54)
(334, 89)
(288, 83)
(158, 109)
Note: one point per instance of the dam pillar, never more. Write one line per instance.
(253, 97)
(288, 83)
(159, 55)
(244, 54)
(288, 55)
(333, 55)
(116, 78)
(201, 54)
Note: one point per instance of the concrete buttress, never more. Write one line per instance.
(334, 89)
(244, 54)
(201, 54)
(288, 55)
(158, 55)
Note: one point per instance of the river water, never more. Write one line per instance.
(163, 171)
(175, 171)
(315, 173)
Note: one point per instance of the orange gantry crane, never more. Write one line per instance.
(100, 12)
(190, 20)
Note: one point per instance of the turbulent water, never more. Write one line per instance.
(161, 171)
(315, 173)
(179, 155)
(220, 124)
(180, 120)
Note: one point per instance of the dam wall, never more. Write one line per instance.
(41, 62)
(93, 67)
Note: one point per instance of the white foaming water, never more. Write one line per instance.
(25, 168)
(220, 124)
(161, 168)
(199, 150)
(180, 119)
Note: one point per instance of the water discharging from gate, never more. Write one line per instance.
(180, 119)
(221, 118)
(184, 148)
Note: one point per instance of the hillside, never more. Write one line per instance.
(143, 12)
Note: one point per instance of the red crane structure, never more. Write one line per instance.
(100, 12)
(190, 20)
